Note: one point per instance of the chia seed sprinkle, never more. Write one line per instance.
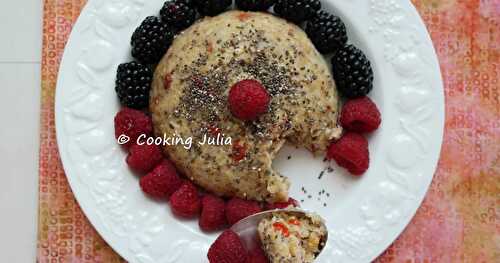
(205, 96)
(321, 174)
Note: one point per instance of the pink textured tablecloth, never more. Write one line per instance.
(457, 222)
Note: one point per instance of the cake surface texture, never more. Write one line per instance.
(189, 98)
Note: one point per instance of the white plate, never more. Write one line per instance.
(364, 215)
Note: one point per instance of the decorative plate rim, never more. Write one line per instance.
(399, 45)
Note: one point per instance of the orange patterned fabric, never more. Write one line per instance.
(459, 219)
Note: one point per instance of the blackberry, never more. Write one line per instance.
(212, 7)
(327, 32)
(189, 3)
(151, 40)
(297, 11)
(178, 14)
(254, 5)
(133, 82)
(352, 72)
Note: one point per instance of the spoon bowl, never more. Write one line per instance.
(247, 227)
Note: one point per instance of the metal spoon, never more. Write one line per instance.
(247, 227)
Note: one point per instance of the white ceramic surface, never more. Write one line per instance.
(364, 215)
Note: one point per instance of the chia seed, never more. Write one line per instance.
(321, 174)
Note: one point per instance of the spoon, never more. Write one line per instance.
(247, 227)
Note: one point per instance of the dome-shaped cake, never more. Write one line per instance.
(189, 99)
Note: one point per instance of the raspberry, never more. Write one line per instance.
(132, 123)
(227, 248)
(162, 182)
(360, 115)
(238, 209)
(185, 202)
(283, 205)
(351, 152)
(212, 213)
(248, 99)
(257, 255)
(143, 158)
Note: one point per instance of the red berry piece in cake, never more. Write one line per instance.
(238, 209)
(167, 81)
(239, 151)
(143, 158)
(162, 182)
(282, 205)
(351, 152)
(132, 123)
(213, 215)
(185, 202)
(360, 115)
(248, 99)
(227, 248)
